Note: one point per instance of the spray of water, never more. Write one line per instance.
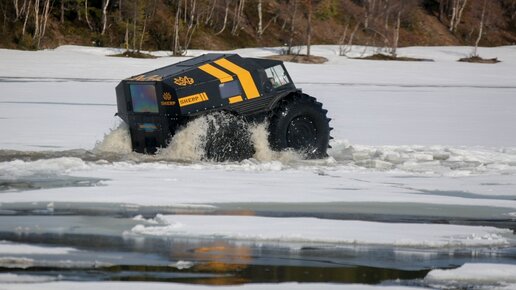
(118, 141)
(263, 151)
(188, 143)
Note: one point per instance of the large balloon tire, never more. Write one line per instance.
(228, 138)
(300, 123)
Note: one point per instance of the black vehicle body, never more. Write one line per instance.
(156, 103)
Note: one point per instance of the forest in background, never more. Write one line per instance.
(178, 25)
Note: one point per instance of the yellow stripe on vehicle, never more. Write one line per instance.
(213, 71)
(193, 99)
(250, 89)
(235, 99)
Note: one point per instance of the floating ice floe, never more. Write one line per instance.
(312, 230)
(471, 275)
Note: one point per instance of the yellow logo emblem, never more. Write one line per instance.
(167, 97)
(183, 81)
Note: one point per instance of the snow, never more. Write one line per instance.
(473, 273)
(172, 286)
(427, 139)
(312, 230)
(30, 279)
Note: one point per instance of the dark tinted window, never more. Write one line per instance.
(230, 89)
(144, 98)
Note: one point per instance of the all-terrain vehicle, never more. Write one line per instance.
(157, 103)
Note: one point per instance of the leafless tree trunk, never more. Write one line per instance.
(345, 49)
(457, 10)
(46, 10)
(62, 12)
(210, 15)
(308, 26)
(36, 19)
(292, 27)
(192, 25)
(260, 29)
(143, 33)
(396, 37)
(225, 19)
(86, 14)
(23, 8)
(104, 16)
(16, 9)
(135, 16)
(386, 8)
(480, 29)
(26, 18)
(126, 38)
(176, 29)
(238, 17)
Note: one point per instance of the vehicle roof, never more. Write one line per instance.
(185, 65)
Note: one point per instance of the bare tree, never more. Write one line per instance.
(396, 37)
(292, 26)
(176, 50)
(61, 18)
(239, 10)
(308, 26)
(36, 19)
(104, 16)
(26, 18)
(225, 18)
(192, 25)
(86, 13)
(210, 14)
(43, 24)
(458, 7)
(345, 48)
(261, 28)
(480, 29)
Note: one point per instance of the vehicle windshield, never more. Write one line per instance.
(277, 76)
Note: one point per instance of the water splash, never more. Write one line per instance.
(118, 140)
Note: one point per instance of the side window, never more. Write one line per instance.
(277, 76)
(230, 89)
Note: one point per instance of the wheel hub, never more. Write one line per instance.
(301, 133)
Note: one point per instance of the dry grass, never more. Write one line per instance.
(381, 56)
(299, 58)
(134, 54)
(478, 59)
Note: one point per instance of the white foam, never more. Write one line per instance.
(263, 151)
(118, 140)
(188, 142)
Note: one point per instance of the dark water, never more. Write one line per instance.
(105, 253)
(217, 262)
